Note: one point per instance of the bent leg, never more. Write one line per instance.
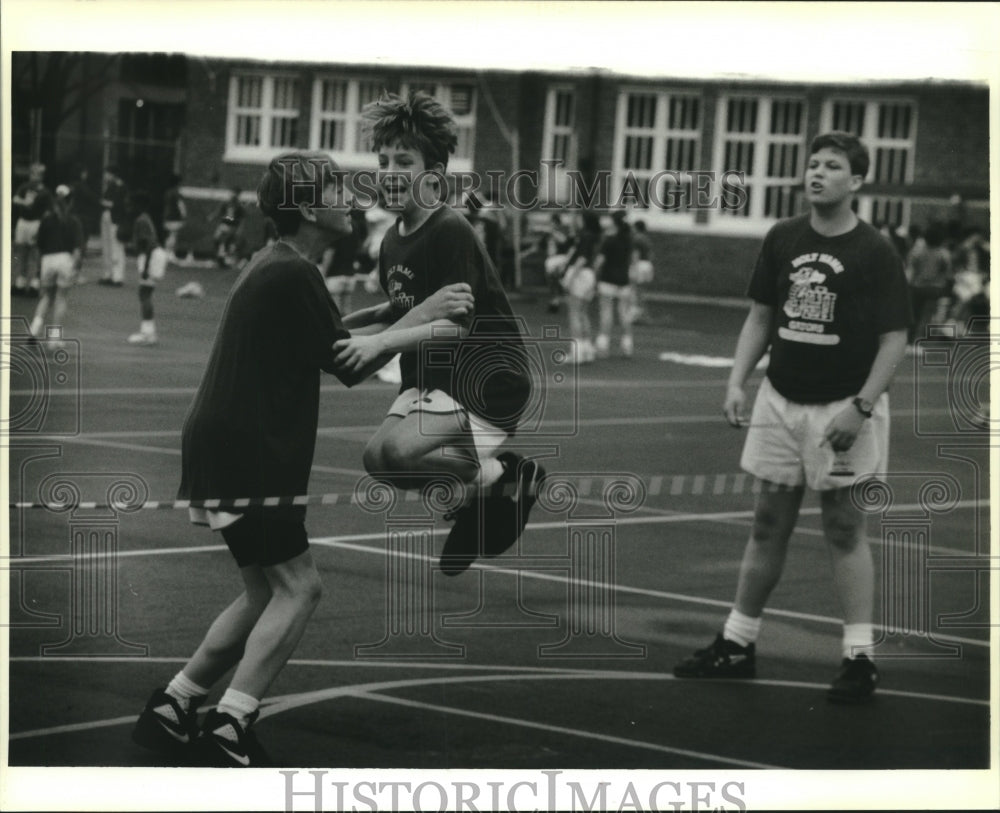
(405, 451)
(295, 591)
(225, 641)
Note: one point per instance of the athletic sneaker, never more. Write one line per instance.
(723, 659)
(462, 547)
(224, 743)
(165, 727)
(491, 523)
(507, 514)
(856, 681)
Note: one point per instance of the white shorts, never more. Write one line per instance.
(340, 284)
(580, 283)
(612, 291)
(640, 272)
(485, 435)
(58, 270)
(555, 265)
(157, 265)
(784, 443)
(26, 232)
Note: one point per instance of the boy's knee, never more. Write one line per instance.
(372, 458)
(397, 455)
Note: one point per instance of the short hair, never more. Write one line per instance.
(418, 122)
(847, 143)
(293, 178)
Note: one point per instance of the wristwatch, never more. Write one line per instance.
(863, 406)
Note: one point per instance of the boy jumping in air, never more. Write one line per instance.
(449, 416)
(249, 435)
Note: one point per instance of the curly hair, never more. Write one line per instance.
(418, 122)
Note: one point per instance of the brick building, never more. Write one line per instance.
(674, 146)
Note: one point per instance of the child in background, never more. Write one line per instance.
(151, 262)
(580, 283)
(60, 246)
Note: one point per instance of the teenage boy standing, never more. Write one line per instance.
(830, 301)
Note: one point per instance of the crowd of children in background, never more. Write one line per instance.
(584, 262)
(948, 270)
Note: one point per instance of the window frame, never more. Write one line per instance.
(262, 152)
(757, 221)
(354, 151)
(550, 177)
(660, 133)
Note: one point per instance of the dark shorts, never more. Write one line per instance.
(264, 539)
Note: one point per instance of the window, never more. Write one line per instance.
(558, 143)
(889, 130)
(263, 116)
(336, 115)
(764, 139)
(657, 145)
(460, 98)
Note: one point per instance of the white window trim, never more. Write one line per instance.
(755, 223)
(871, 140)
(558, 179)
(468, 120)
(657, 219)
(353, 153)
(264, 152)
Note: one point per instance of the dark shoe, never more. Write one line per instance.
(723, 659)
(491, 523)
(224, 743)
(512, 498)
(104, 281)
(856, 681)
(461, 548)
(165, 727)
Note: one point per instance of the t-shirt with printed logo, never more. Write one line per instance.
(487, 372)
(832, 299)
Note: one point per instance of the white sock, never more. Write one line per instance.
(239, 705)
(490, 470)
(859, 639)
(36, 326)
(741, 629)
(184, 690)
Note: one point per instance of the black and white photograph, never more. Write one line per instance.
(498, 406)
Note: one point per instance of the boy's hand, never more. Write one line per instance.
(353, 354)
(453, 301)
(842, 431)
(732, 407)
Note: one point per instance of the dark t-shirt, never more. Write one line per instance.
(251, 430)
(39, 199)
(58, 235)
(832, 298)
(617, 252)
(487, 372)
